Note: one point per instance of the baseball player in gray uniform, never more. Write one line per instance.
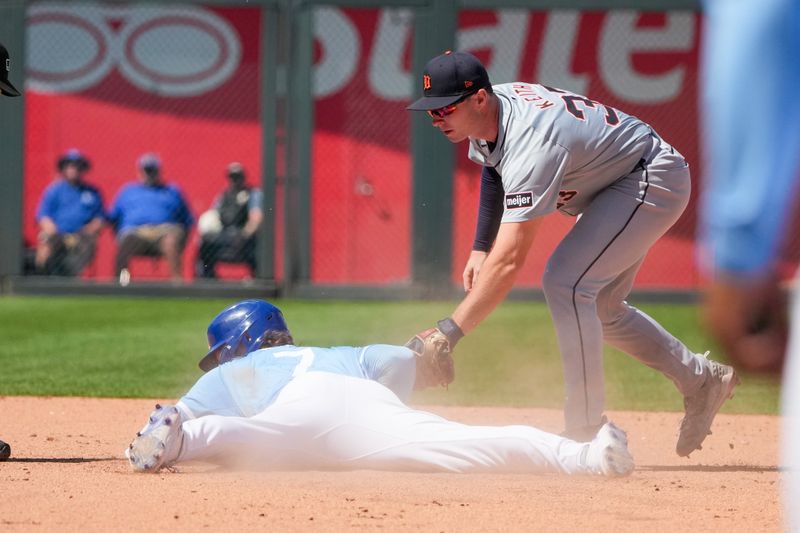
(544, 149)
(6, 89)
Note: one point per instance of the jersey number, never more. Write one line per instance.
(564, 197)
(306, 356)
(571, 101)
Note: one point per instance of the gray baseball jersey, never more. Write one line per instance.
(557, 150)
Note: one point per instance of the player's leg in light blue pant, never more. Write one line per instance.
(752, 137)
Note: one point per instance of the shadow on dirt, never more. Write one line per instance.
(63, 460)
(708, 468)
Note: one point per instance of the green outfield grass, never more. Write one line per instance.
(144, 347)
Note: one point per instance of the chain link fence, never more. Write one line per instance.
(108, 84)
(361, 166)
(182, 82)
(642, 63)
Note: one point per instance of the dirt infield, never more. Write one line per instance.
(67, 473)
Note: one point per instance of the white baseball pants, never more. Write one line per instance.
(329, 421)
(790, 407)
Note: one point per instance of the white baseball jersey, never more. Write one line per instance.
(557, 150)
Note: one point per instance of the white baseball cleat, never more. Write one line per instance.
(158, 444)
(608, 452)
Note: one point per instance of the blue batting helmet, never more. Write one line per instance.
(239, 330)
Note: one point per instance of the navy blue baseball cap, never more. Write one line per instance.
(75, 157)
(449, 77)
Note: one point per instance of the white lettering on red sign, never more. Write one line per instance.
(74, 47)
(340, 43)
(168, 51)
(620, 39)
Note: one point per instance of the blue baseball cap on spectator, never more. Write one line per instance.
(149, 161)
(75, 157)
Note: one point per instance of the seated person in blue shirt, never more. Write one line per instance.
(150, 218)
(70, 216)
(228, 229)
(267, 403)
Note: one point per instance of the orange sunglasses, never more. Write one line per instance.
(448, 109)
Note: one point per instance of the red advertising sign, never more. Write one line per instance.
(120, 80)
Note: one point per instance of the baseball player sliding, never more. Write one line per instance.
(267, 403)
(6, 89)
(544, 149)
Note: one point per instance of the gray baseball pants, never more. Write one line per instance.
(591, 272)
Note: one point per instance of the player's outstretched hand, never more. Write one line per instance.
(750, 322)
(434, 349)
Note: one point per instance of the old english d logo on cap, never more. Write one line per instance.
(426, 82)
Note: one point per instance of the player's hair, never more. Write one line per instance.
(274, 338)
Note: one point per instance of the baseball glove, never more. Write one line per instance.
(435, 365)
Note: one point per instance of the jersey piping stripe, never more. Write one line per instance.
(643, 165)
(500, 144)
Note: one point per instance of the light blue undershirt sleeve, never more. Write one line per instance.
(394, 367)
(208, 396)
